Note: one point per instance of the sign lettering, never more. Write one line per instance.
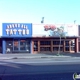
(7, 31)
(11, 32)
(27, 31)
(17, 29)
(14, 30)
(23, 32)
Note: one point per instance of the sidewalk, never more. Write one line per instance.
(28, 55)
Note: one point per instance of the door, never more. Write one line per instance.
(25, 46)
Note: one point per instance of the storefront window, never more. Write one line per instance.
(45, 49)
(57, 42)
(72, 48)
(45, 42)
(57, 48)
(35, 45)
(27, 46)
(66, 43)
(16, 45)
(67, 49)
(72, 45)
(24, 45)
(9, 46)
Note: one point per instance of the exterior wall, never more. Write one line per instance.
(39, 34)
(38, 30)
(79, 38)
(0, 29)
(16, 37)
(11, 45)
(51, 45)
(35, 33)
(69, 30)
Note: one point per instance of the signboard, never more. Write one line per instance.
(16, 30)
(47, 29)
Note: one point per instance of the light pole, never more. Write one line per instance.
(42, 21)
(74, 21)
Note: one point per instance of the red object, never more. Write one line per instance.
(49, 27)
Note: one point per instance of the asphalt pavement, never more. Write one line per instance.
(45, 66)
(47, 76)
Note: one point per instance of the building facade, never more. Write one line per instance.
(37, 38)
(16, 37)
(44, 40)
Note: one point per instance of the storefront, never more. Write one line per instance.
(44, 41)
(16, 37)
(51, 45)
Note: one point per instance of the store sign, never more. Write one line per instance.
(16, 29)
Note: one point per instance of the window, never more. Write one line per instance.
(72, 43)
(25, 45)
(79, 29)
(45, 42)
(66, 48)
(57, 42)
(78, 39)
(45, 49)
(22, 44)
(57, 48)
(9, 46)
(35, 45)
(72, 48)
(16, 45)
(9, 43)
(66, 43)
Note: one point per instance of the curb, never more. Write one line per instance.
(7, 58)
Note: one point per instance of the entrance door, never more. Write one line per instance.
(25, 46)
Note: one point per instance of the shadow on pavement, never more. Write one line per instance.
(16, 71)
